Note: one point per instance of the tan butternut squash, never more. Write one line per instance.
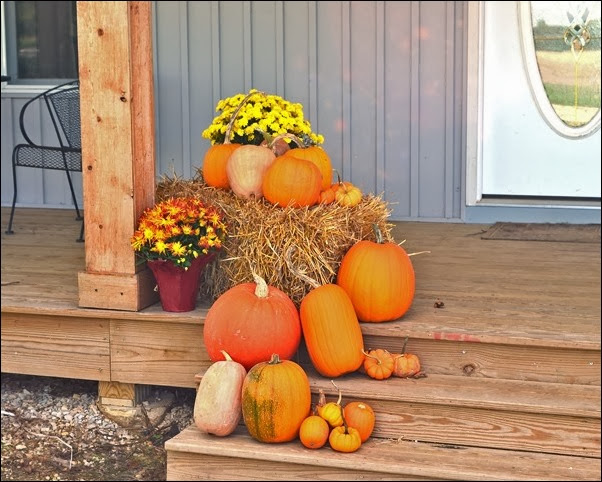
(217, 406)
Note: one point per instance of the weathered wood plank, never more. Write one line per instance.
(492, 360)
(505, 414)
(118, 148)
(156, 353)
(382, 459)
(55, 346)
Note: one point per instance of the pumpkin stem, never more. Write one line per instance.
(226, 356)
(377, 233)
(235, 115)
(419, 252)
(261, 288)
(297, 272)
(275, 359)
(321, 399)
(405, 342)
(344, 421)
(372, 356)
(338, 176)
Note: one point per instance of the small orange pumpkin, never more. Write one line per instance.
(379, 364)
(276, 398)
(314, 432)
(327, 196)
(348, 194)
(406, 364)
(360, 416)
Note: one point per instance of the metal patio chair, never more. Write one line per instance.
(62, 103)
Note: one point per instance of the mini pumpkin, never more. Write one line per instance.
(406, 365)
(348, 194)
(379, 364)
(314, 432)
(345, 438)
(360, 416)
(331, 411)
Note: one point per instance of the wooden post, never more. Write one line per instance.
(118, 148)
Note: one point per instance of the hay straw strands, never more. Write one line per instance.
(259, 234)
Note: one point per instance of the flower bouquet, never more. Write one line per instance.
(177, 238)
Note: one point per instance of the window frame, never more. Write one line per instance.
(18, 87)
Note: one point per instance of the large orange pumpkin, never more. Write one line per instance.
(319, 157)
(251, 321)
(276, 398)
(379, 279)
(331, 331)
(294, 181)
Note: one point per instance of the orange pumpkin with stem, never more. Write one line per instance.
(379, 364)
(379, 278)
(276, 398)
(251, 321)
(345, 438)
(406, 365)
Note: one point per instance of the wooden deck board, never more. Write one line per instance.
(377, 459)
(541, 292)
(499, 296)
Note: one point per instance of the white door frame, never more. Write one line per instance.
(474, 122)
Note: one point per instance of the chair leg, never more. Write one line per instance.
(81, 233)
(9, 229)
(79, 216)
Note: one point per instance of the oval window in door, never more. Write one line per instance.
(561, 51)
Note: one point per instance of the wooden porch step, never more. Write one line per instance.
(503, 414)
(192, 455)
(446, 348)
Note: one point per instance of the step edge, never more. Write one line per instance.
(384, 464)
(460, 397)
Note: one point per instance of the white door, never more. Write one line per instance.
(529, 145)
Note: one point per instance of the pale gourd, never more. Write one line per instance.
(217, 407)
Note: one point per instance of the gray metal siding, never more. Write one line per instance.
(382, 81)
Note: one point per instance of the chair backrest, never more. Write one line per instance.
(63, 104)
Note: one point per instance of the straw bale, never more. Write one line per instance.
(259, 235)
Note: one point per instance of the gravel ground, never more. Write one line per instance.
(52, 429)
